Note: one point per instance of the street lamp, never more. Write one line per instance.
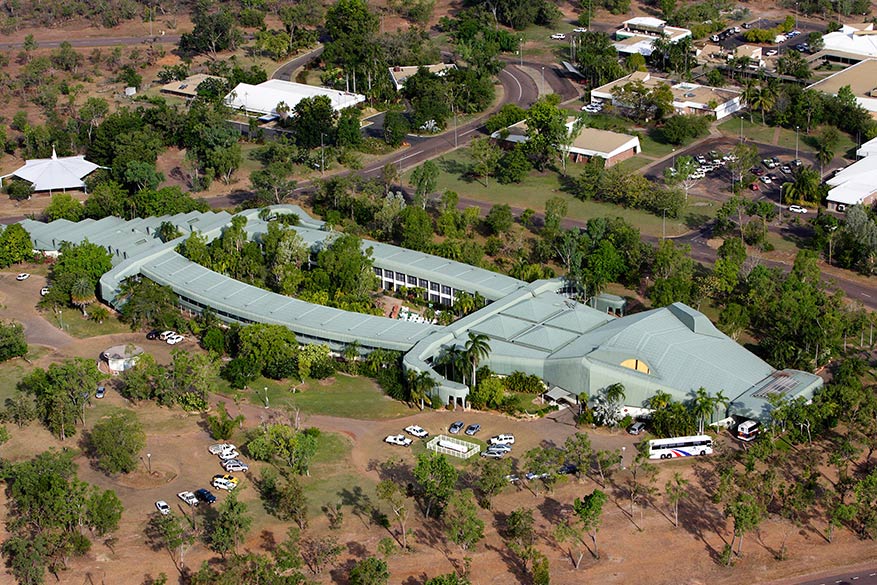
(796, 141)
(623, 449)
(322, 153)
(543, 79)
(521, 50)
(266, 396)
(149, 461)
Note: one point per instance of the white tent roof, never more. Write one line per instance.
(850, 42)
(52, 174)
(855, 183)
(263, 98)
(868, 149)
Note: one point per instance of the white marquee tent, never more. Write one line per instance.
(263, 98)
(55, 174)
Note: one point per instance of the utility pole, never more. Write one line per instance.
(796, 141)
(322, 167)
(521, 51)
(542, 88)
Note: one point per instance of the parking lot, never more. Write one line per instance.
(736, 40)
(716, 184)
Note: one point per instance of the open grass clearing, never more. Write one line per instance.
(754, 130)
(72, 321)
(537, 188)
(342, 395)
(12, 371)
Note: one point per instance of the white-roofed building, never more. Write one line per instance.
(852, 40)
(400, 74)
(868, 148)
(638, 35)
(55, 174)
(861, 78)
(264, 98)
(614, 147)
(856, 184)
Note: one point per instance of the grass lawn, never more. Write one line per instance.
(653, 148)
(72, 321)
(345, 396)
(753, 130)
(15, 369)
(634, 163)
(538, 188)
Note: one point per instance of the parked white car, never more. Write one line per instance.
(162, 507)
(230, 454)
(234, 465)
(558, 36)
(44, 291)
(188, 497)
(174, 339)
(416, 431)
(218, 448)
(221, 483)
(579, 30)
(400, 440)
(502, 440)
(22, 276)
(797, 209)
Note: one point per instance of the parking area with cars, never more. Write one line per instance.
(776, 166)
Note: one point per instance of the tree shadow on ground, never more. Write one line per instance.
(515, 564)
(552, 510)
(341, 573)
(267, 541)
(695, 221)
(361, 504)
(457, 168)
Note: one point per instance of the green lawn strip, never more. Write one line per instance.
(345, 396)
(350, 397)
(538, 188)
(12, 371)
(651, 147)
(72, 321)
(634, 163)
(355, 492)
(753, 130)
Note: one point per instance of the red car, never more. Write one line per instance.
(755, 187)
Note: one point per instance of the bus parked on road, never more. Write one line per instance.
(680, 447)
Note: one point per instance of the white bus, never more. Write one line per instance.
(680, 447)
(748, 430)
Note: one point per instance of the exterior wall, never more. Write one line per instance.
(631, 152)
(833, 205)
(434, 291)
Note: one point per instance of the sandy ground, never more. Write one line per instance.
(646, 544)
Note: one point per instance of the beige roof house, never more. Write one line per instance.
(400, 74)
(188, 87)
(688, 98)
(611, 146)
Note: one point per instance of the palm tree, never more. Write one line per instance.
(351, 355)
(701, 406)
(420, 386)
(464, 303)
(82, 294)
(720, 401)
(615, 394)
(750, 95)
(659, 401)
(477, 348)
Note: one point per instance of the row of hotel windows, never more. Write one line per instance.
(432, 291)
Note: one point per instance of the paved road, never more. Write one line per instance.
(865, 577)
(285, 71)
